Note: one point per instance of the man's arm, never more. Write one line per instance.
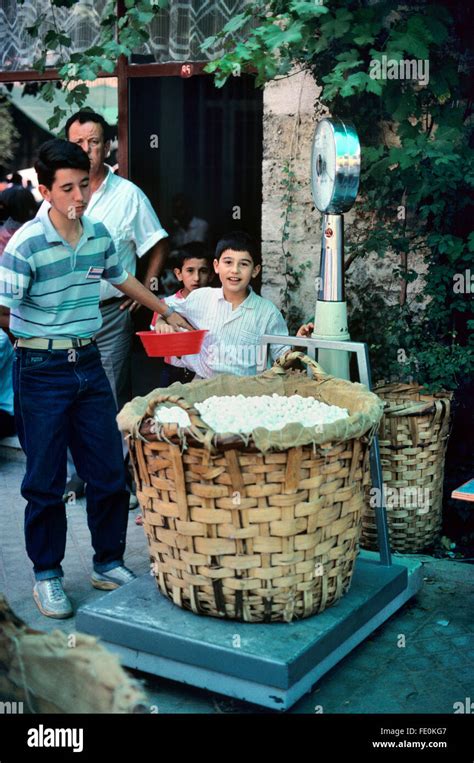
(138, 293)
(156, 260)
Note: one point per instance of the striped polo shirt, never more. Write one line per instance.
(52, 289)
(232, 344)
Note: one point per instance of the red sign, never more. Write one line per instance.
(187, 70)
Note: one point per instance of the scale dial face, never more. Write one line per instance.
(335, 166)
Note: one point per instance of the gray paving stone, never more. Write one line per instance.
(418, 646)
(433, 671)
(456, 659)
(466, 641)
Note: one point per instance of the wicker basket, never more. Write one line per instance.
(413, 436)
(237, 533)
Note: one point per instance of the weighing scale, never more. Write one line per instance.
(273, 665)
(335, 170)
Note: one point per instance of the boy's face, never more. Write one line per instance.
(236, 270)
(69, 193)
(194, 274)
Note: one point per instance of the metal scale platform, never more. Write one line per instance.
(271, 665)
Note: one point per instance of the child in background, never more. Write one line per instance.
(193, 270)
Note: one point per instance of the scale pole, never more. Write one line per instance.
(330, 318)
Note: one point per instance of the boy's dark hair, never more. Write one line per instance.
(85, 116)
(59, 154)
(19, 204)
(193, 250)
(239, 241)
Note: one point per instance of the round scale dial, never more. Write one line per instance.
(335, 166)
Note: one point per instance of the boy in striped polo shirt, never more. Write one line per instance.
(50, 275)
(235, 316)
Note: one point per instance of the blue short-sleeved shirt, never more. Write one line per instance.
(51, 289)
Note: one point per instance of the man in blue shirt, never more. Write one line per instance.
(50, 276)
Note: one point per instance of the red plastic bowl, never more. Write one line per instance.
(178, 343)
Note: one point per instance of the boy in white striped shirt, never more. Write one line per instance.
(235, 316)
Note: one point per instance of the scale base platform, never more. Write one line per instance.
(271, 665)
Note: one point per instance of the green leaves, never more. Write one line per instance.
(308, 10)
(236, 23)
(47, 91)
(77, 96)
(336, 25)
(209, 42)
(365, 32)
(57, 118)
(453, 246)
(86, 65)
(275, 37)
(54, 39)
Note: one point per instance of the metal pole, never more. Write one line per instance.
(331, 309)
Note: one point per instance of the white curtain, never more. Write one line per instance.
(175, 34)
(18, 50)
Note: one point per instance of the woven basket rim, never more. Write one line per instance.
(151, 431)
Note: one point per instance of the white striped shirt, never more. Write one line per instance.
(232, 344)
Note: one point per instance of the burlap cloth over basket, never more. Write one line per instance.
(261, 527)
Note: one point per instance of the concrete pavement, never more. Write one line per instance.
(419, 661)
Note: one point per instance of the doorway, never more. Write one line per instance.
(187, 136)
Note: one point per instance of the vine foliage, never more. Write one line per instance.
(118, 37)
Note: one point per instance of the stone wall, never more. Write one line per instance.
(290, 115)
(291, 112)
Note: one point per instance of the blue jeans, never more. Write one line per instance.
(61, 397)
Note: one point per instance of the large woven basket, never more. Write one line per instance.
(251, 533)
(413, 437)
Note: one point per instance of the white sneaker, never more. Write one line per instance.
(51, 600)
(111, 579)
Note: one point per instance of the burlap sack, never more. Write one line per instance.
(62, 673)
(365, 408)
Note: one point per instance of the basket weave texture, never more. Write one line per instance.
(413, 437)
(238, 533)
